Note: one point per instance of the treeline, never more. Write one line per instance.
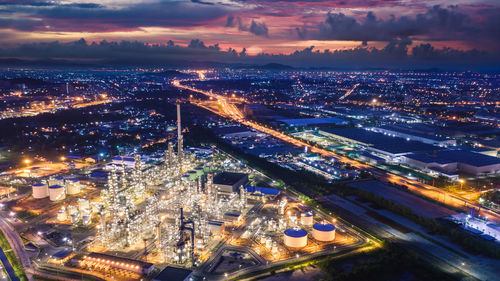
(472, 244)
(313, 185)
(9, 253)
(387, 263)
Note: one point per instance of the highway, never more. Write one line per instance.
(228, 110)
(17, 246)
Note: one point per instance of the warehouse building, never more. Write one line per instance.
(414, 135)
(454, 161)
(227, 182)
(390, 148)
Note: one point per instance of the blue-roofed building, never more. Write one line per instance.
(266, 191)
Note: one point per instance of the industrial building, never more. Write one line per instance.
(414, 135)
(304, 122)
(140, 267)
(390, 148)
(228, 183)
(454, 161)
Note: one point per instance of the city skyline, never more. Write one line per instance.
(299, 33)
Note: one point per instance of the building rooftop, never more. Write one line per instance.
(228, 178)
(380, 141)
(312, 121)
(263, 190)
(452, 156)
(171, 273)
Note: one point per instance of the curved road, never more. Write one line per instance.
(17, 246)
(231, 111)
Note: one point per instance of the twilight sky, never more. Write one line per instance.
(279, 28)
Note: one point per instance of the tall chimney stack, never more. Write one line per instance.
(179, 134)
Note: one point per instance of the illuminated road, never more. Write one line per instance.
(230, 111)
(349, 92)
(17, 245)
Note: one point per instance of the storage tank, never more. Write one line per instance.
(324, 232)
(306, 219)
(56, 192)
(192, 175)
(83, 204)
(295, 238)
(72, 186)
(86, 219)
(199, 171)
(61, 215)
(56, 181)
(206, 169)
(40, 190)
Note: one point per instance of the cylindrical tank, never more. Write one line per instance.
(295, 238)
(56, 192)
(199, 171)
(324, 232)
(206, 169)
(306, 219)
(72, 186)
(86, 219)
(192, 175)
(73, 218)
(83, 204)
(40, 190)
(56, 181)
(72, 210)
(269, 242)
(275, 247)
(61, 215)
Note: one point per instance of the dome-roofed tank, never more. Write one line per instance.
(295, 238)
(40, 190)
(324, 232)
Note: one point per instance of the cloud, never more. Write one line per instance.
(437, 23)
(257, 28)
(395, 54)
(93, 17)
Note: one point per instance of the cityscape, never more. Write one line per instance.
(363, 147)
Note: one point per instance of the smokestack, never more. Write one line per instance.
(179, 134)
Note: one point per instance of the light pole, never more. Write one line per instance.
(461, 181)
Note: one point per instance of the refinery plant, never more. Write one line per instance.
(194, 208)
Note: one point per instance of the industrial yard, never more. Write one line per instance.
(193, 208)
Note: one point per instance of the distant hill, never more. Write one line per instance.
(275, 66)
(29, 82)
(172, 73)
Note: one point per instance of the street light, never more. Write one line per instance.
(461, 181)
(27, 161)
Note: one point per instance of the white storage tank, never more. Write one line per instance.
(40, 190)
(295, 238)
(306, 219)
(56, 192)
(61, 215)
(86, 219)
(83, 205)
(72, 186)
(56, 181)
(324, 232)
